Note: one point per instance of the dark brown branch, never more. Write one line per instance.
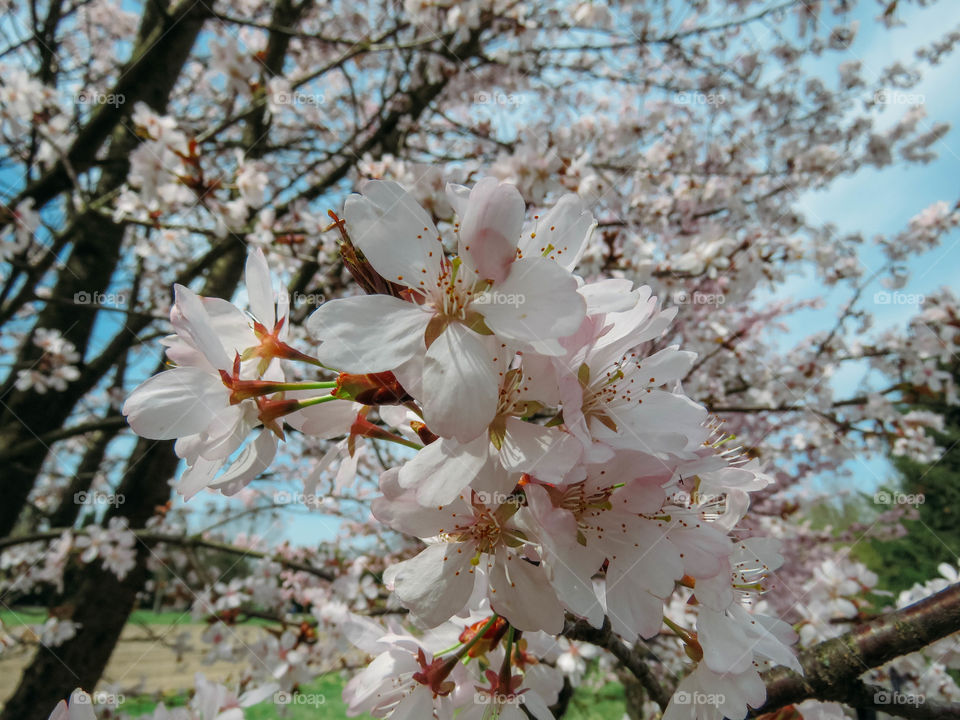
(635, 660)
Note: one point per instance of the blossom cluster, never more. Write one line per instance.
(560, 472)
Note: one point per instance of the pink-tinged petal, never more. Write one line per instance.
(460, 385)
(609, 295)
(726, 648)
(490, 228)
(196, 325)
(705, 550)
(197, 477)
(562, 234)
(371, 333)
(537, 301)
(175, 403)
(260, 288)
(547, 453)
(254, 459)
(569, 564)
(444, 468)
(633, 613)
(395, 234)
(458, 196)
(417, 705)
(225, 433)
(326, 420)
(404, 514)
(513, 583)
(436, 584)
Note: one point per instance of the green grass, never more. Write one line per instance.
(322, 699)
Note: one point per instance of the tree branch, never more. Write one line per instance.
(831, 669)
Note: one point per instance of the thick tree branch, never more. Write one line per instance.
(832, 668)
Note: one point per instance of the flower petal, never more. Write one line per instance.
(562, 234)
(444, 468)
(395, 234)
(260, 288)
(175, 403)
(537, 301)
(368, 334)
(490, 228)
(435, 584)
(460, 384)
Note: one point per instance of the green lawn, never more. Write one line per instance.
(321, 699)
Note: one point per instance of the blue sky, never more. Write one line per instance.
(883, 201)
(872, 202)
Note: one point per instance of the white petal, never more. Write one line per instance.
(326, 420)
(254, 459)
(513, 582)
(371, 333)
(195, 322)
(260, 288)
(175, 403)
(460, 385)
(395, 234)
(537, 301)
(562, 234)
(444, 468)
(436, 584)
(491, 227)
(547, 453)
